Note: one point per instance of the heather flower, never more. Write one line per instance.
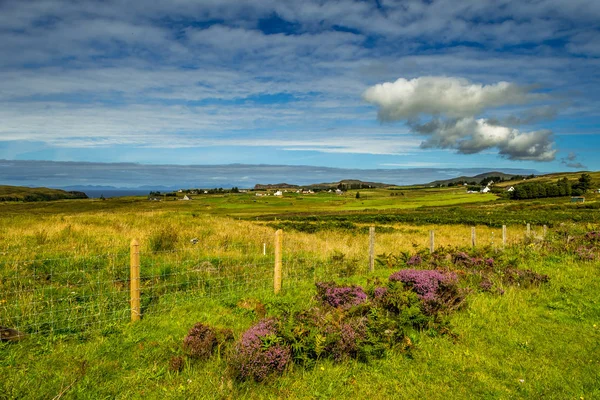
(424, 282)
(525, 277)
(414, 260)
(260, 352)
(486, 285)
(489, 262)
(594, 235)
(349, 338)
(340, 296)
(585, 253)
(379, 292)
(476, 261)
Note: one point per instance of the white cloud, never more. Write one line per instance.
(453, 104)
(436, 95)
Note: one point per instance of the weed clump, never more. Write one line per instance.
(200, 341)
(176, 364)
(163, 240)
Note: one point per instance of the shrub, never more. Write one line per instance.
(200, 341)
(438, 291)
(348, 339)
(524, 277)
(424, 282)
(260, 352)
(340, 296)
(414, 260)
(163, 240)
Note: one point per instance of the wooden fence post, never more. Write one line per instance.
(134, 280)
(431, 241)
(545, 231)
(264, 249)
(503, 235)
(371, 248)
(277, 271)
(473, 238)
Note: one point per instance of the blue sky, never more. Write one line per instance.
(346, 84)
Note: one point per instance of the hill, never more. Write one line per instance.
(477, 179)
(343, 184)
(21, 193)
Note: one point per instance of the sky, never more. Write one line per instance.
(342, 84)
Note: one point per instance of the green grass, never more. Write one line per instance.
(540, 342)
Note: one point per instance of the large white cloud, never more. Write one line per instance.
(469, 136)
(438, 95)
(452, 104)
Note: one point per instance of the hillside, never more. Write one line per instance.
(21, 193)
(476, 179)
(554, 177)
(344, 183)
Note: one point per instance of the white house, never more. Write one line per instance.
(278, 193)
(485, 190)
(186, 197)
(511, 189)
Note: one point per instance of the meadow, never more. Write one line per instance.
(64, 269)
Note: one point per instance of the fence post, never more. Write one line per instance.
(503, 236)
(528, 230)
(134, 280)
(264, 249)
(277, 271)
(545, 231)
(431, 241)
(473, 238)
(371, 248)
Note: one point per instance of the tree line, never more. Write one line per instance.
(563, 187)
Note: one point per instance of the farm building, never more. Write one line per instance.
(577, 199)
(278, 193)
(485, 190)
(186, 197)
(511, 189)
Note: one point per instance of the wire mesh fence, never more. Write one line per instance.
(83, 292)
(68, 295)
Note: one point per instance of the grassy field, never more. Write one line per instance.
(64, 276)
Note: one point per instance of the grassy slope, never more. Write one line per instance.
(552, 178)
(20, 193)
(529, 343)
(543, 336)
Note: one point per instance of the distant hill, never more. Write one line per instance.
(344, 184)
(21, 193)
(270, 186)
(349, 184)
(477, 178)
